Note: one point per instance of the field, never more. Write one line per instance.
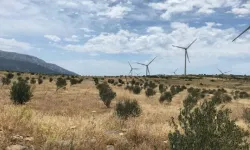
(76, 118)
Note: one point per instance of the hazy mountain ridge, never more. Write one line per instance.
(25, 63)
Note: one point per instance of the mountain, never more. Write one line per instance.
(25, 63)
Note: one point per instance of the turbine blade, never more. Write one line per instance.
(187, 56)
(241, 33)
(191, 44)
(228, 71)
(136, 68)
(141, 64)
(148, 71)
(220, 71)
(151, 61)
(129, 64)
(175, 70)
(179, 47)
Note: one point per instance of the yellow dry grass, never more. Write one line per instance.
(76, 118)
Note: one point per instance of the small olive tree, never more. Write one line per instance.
(20, 92)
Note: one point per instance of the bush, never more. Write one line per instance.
(96, 81)
(40, 80)
(150, 92)
(111, 81)
(6, 81)
(127, 108)
(136, 90)
(106, 94)
(162, 88)
(18, 73)
(20, 92)
(220, 97)
(207, 128)
(60, 83)
(10, 75)
(246, 115)
(19, 78)
(152, 85)
(121, 81)
(166, 96)
(27, 78)
(33, 81)
(80, 81)
(73, 81)
(50, 79)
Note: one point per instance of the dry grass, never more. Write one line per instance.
(76, 118)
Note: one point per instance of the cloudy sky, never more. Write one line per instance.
(99, 37)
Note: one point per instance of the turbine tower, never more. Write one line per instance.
(131, 69)
(147, 69)
(241, 33)
(186, 54)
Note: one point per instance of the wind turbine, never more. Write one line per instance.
(222, 73)
(131, 70)
(175, 71)
(186, 55)
(241, 33)
(147, 69)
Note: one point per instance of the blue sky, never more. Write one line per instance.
(99, 37)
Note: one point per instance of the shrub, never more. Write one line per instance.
(33, 81)
(18, 73)
(73, 81)
(40, 80)
(121, 81)
(96, 81)
(150, 92)
(129, 87)
(44, 78)
(20, 92)
(136, 90)
(19, 78)
(207, 128)
(152, 85)
(6, 81)
(162, 88)
(10, 75)
(246, 115)
(106, 94)
(50, 79)
(80, 81)
(111, 81)
(60, 83)
(190, 101)
(220, 97)
(127, 108)
(27, 78)
(166, 96)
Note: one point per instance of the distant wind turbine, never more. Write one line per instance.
(241, 33)
(186, 54)
(222, 73)
(175, 71)
(147, 69)
(131, 69)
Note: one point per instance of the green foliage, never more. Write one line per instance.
(61, 83)
(150, 92)
(27, 78)
(33, 81)
(127, 108)
(246, 115)
(136, 89)
(18, 73)
(166, 96)
(106, 93)
(241, 94)
(133, 81)
(96, 81)
(20, 92)
(162, 88)
(220, 97)
(40, 80)
(19, 78)
(111, 81)
(206, 128)
(175, 89)
(73, 81)
(50, 79)
(6, 81)
(10, 75)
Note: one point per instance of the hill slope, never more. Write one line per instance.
(25, 63)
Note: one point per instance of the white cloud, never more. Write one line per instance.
(73, 38)
(86, 30)
(14, 45)
(53, 38)
(117, 11)
(172, 7)
(242, 10)
(155, 29)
